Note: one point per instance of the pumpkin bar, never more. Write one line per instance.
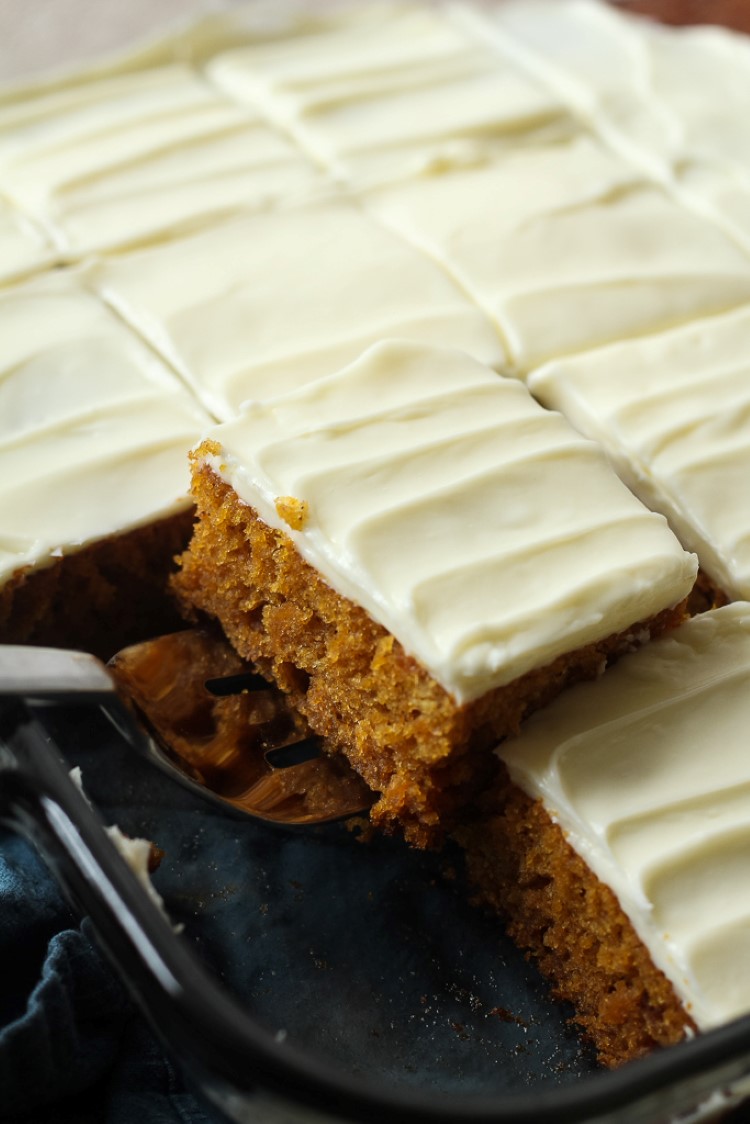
(94, 503)
(615, 843)
(420, 555)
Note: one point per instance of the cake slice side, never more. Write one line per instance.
(614, 843)
(555, 908)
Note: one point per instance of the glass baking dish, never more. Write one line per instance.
(315, 976)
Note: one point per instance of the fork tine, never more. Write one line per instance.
(237, 684)
(294, 752)
(218, 726)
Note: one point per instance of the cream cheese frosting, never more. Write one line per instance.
(673, 101)
(567, 247)
(390, 93)
(136, 156)
(23, 248)
(672, 413)
(447, 503)
(647, 773)
(94, 429)
(280, 298)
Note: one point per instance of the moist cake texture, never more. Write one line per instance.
(445, 578)
(617, 843)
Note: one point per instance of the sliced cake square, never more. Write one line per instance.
(420, 554)
(94, 502)
(391, 92)
(672, 413)
(130, 157)
(617, 842)
(568, 247)
(262, 303)
(642, 86)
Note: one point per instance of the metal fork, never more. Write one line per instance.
(188, 703)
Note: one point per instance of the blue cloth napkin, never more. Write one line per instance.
(72, 1046)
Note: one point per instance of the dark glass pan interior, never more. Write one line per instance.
(349, 977)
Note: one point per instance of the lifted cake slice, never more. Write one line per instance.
(420, 554)
(618, 844)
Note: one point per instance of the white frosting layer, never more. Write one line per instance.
(648, 774)
(673, 101)
(672, 411)
(94, 430)
(22, 247)
(567, 247)
(133, 156)
(390, 92)
(447, 503)
(259, 305)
